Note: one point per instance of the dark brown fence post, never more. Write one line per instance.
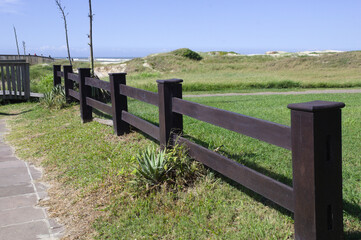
(317, 175)
(67, 83)
(169, 121)
(119, 103)
(85, 91)
(57, 80)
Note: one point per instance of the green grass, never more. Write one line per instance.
(89, 157)
(219, 72)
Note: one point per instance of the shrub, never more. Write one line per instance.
(152, 165)
(187, 53)
(55, 98)
(172, 167)
(45, 84)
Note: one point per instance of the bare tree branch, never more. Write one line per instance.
(16, 38)
(91, 38)
(62, 11)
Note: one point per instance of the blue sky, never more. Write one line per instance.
(140, 27)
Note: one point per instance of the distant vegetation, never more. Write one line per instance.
(187, 53)
(230, 72)
(224, 71)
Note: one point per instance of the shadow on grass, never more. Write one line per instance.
(14, 114)
(353, 235)
(102, 114)
(242, 159)
(350, 208)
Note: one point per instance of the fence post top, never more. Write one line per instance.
(67, 66)
(83, 69)
(316, 106)
(170, 81)
(117, 74)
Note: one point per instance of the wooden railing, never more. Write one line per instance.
(15, 81)
(314, 139)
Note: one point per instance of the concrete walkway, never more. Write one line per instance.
(279, 93)
(20, 217)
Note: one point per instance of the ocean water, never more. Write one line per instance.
(103, 60)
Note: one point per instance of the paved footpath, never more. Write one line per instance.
(20, 216)
(321, 91)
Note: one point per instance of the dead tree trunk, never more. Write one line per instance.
(62, 10)
(16, 38)
(24, 48)
(91, 38)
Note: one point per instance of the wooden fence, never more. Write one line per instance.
(15, 81)
(314, 139)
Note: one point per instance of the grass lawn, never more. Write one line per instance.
(93, 190)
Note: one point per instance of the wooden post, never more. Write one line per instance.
(119, 103)
(85, 91)
(27, 80)
(57, 80)
(317, 172)
(169, 122)
(67, 83)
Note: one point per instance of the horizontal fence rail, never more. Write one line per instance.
(314, 139)
(139, 94)
(60, 74)
(74, 94)
(93, 82)
(277, 192)
(74, 77)
(269, 132)
(99, 105)
(141, 124)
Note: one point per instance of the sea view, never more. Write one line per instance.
(103, 60)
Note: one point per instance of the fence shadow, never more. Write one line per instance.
(14, 114)
(352, 209)
(240, 158)
(102, 114)
(353, 235)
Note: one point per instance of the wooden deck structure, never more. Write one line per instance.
(15, 80)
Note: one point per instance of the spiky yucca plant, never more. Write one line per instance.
(55, 98)
(152, 165)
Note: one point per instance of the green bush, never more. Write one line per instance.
(54, 98)
(187, 53)
(43, 85)
(40, 70)
(172, 167)
(152, 165)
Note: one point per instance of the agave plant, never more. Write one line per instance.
(55, 98)
(152, 165)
